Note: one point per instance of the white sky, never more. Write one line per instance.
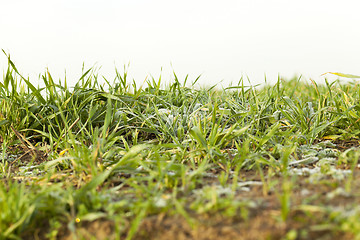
(222, 40)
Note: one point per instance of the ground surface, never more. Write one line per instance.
(312, 201)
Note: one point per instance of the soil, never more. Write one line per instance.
(263, 221)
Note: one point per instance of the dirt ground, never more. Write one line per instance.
(263, 221)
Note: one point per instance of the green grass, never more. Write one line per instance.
(122, 152)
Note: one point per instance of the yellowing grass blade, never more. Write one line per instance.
(343, 75)
(331, 137)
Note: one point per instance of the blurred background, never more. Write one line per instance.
(220, 40)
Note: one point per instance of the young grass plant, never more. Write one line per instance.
(119, 152)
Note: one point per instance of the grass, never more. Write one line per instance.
(168, 161)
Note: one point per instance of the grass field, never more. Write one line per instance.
(175, 161)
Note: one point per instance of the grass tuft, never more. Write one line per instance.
(120, 154)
